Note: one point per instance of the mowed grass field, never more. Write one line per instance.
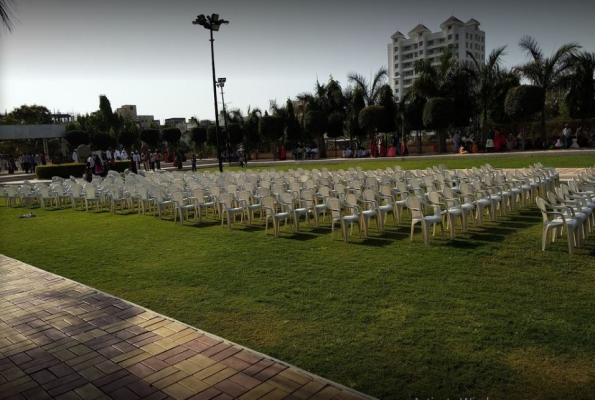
(487, 314)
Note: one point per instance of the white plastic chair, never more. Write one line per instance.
(182, 207)
(556, 224)
(269, 205)
(416, 207)
(228, 209)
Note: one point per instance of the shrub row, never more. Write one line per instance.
(74, 169)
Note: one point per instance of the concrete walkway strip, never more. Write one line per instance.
(62, 339)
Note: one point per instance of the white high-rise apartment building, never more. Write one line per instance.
(423, 44)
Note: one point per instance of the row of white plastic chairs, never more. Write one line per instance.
(569, 209)
(182, 194)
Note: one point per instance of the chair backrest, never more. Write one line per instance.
(178, 198)
(414, 204)
(226, 199)
(245, 196)
(287, 200)
(542, 205)
(370, 195)
(325, 191)
(90, 192)
(334, 205)
(434, 198)
(44, 191)
(268, 204)
(263, 192)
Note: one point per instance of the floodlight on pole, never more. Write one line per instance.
(213, 23)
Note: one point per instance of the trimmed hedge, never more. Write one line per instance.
(74, 169)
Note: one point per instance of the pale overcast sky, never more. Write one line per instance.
(64, 53)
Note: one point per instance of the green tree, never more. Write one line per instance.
(522, 103)
(386, 99)
(235, 132)
(581, 94)
(31, 115)
(354, 108)
(371, 119)
(438, 116)
(546, 72)
(292, 127)
(316, 123)
(129, 135)
(336, 126)
(6, 15)
(252, 129)
(199, 137)
(485, 75)
(151, 137)
(271, 127)
(172, 136)
(369, 90)
(506, 80)
(102, 140)
(76, 138)
(212, 135)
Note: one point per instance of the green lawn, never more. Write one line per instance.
(485, 315)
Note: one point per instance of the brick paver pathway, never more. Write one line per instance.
(61, 339)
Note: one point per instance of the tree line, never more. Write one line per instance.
(446, 96)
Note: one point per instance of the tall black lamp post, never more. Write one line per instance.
(213, 23)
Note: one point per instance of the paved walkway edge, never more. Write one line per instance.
(343, 388)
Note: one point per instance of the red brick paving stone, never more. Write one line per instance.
(141, 388)
(225, 353)
(248, 357)
(206, 339)
(140, 370)
(89, 392)
(21, 358)
(270, 371)
(43, 376)
(235, 363)
(109, 352)
(327, 393)
(259, 366)
(215, 349)
(180, 357)
(37, 393)
(244, 380)
(231, 388)
(155, 363)
(91, 374)
(197, 345)
(206, 394)
(108, 367)
(308, 390)
(284, 383)
(124, 334)
(123, 393)
(69, 396)
(68, 387)
(156, 396)
(12, 373)
(223, 396)
(124, 347)
(258, 392)
(110, 378)
(61, 370)
(178, 391)
(171, 352)
(60, 381)
(110, 387)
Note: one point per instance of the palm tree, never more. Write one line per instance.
(369, 90)
(546, 72)
(485, 76)
(6, 15)
(581, 93)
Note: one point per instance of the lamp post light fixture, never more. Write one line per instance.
(213, 23)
